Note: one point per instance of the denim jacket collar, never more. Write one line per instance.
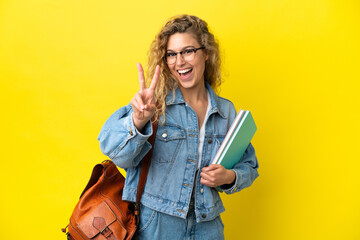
(179, 99)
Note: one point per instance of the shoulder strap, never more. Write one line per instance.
(145, 169)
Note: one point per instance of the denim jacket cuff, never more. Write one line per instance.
(140, 137)
(230, 188)
(136, 142)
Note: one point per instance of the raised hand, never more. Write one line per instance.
(143, 103)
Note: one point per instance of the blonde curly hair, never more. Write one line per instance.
(167, 82)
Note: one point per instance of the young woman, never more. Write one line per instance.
(180, 200)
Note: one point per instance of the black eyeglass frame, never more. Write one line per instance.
(181, 52)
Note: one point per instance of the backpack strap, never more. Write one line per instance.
(145, 169)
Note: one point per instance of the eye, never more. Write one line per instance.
(170, 54)
(188, 51)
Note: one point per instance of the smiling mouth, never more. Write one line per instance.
(184, 72)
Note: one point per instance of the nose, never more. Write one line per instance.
(179, 59)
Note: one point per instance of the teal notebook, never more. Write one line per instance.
(236, 140)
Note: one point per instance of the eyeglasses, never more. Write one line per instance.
(187, 55)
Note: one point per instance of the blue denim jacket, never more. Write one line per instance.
(172, 176)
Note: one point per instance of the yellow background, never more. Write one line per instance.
(65, 66)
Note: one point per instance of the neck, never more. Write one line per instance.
(193, 95)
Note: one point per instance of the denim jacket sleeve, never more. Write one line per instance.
(121, 141)
(245, 170)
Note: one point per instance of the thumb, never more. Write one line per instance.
(215, 166)
(211, 167)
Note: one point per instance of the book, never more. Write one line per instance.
(236, 140)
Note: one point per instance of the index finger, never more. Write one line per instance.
(141, 76)
(155, 78)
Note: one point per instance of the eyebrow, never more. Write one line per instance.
(189, 46)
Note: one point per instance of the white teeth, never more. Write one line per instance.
(184, 71)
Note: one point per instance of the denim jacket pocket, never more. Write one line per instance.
(169, 138)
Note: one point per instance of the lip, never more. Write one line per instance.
(188, 75)
(183, 70)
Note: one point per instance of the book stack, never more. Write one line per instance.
(236, 140)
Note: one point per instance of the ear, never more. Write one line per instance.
(206, 55)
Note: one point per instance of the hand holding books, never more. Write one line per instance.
(230, 152)
(216, 175)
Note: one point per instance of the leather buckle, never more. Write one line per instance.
(106, 232)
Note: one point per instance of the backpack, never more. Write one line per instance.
(101, 213)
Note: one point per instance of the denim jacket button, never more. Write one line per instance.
(210, 141)
(204, 215)
(202, 190)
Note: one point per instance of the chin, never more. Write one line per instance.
(185, 84)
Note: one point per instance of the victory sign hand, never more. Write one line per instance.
(143, 103)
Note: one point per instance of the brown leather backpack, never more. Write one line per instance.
(101, 213)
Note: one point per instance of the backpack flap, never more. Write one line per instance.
(98, 221)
